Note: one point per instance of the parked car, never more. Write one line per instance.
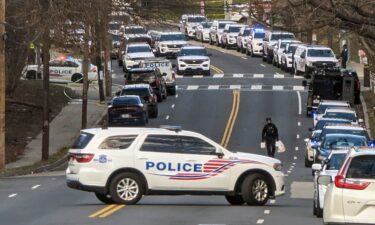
(270, 41)
(202, 32)
(287, 57)
(229, 36)
(217, 29)
(135, 53)
(127, 110)
(242, 38)
(255, 42)
(193, 59)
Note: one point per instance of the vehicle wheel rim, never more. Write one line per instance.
(127, 189)
(260, 190)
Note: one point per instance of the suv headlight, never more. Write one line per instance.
(278, 166)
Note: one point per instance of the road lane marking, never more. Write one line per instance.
(192, 87)
(256, 87)
(289, 171)
(273, 201)
(111, 211)
(232, 119)
(176, 96)
(198, 76)
(167, 117)
(299, 102)
(294, 163)
(298, 88)
(244, 58)
(297, 136)
(35, 187)
(301, 190)
(299, 124)
(172, 106)
(295, 157)
(12, 195)
(297, 149)
(277, 87)
(109, 207)
(216, 69)
(258, 75)
(213, 87)
(262, 65)
(260, 221)
(278, 76)
(218, 76)
(267, 211)
(238, 75)
(235, 87)
(179, 76)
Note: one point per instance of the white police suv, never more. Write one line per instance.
(122, 164)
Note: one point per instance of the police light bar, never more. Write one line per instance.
(259, 30)
(172, 128)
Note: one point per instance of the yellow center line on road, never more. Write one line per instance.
(112, 211)
(109, 207)
(216, 69)
(232, 119)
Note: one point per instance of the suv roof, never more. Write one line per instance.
(344, 127)
(317, 46)
(358, 151)
(344, 110)
(170, 32)
(136, 86)
(193, 47)
(138, 44)
(333, 102)
(142, 69)
(135, 130)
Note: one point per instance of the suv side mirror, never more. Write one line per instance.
(316, 167)
(219, 153)
(360, 120)
(209, 54)
(324, 180)
(304, 83)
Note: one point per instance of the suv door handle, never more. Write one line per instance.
(142, 158)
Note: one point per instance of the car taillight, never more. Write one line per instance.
(81, 158)
(341, 182)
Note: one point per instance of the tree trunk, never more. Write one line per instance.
(46, 117)
(2, 86)
(85, 69)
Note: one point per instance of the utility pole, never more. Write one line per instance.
(2, 84)
(98, 32)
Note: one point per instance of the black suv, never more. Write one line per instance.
(145, 92)
(151, 76)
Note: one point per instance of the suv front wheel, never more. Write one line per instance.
(255, 189)
(126, 188)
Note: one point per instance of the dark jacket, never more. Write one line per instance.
(344, 54)
(270, 133)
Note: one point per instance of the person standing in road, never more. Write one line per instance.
(270, 135)
(344, 56)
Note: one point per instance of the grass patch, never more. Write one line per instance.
(369, 98)
(38, 165)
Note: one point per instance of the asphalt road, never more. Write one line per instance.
(202, 104)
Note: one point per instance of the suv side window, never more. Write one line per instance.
(160, 143)
(362, 167)
(117, 142)
(82, 141)
(193, 145)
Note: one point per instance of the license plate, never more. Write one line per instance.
(316, 101)
(125, 115)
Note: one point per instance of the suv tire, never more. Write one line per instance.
(235, 200)
(126, 183)
(255, 189)
(105, 198)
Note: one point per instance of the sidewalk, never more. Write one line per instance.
(64, 128)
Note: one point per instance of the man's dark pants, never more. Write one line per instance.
(271, 147)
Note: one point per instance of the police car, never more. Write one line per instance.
(193, 59)
(63, 68)
(255, 42)
(135, 52)
(120, 165)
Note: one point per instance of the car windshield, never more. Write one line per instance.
(116, 37)
(143, 77)
(322, 107)
(125, 101)
(82, 141)
(206, 25)
(292, 48)
(193, 51)
(172, 37)
(336, 161)
(275, 37)
(246, 32)
(321, 123)
(138, 30)
(360, 132)
(320, 53)
(222, 25)
(362, 167)
(344, 115)
(259, 35)
(136, 91)
(331, 142)
(316, 135)
(234, 29)
(195, 19)
(135, 49)
(283, 44)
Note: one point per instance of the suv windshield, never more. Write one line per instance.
(336, 161)
(292, 48)
(136, 91)
(259, 35)
(344, 115)
(193, 51)
(362, 167)
(234, 29)
(125, 101)
(360, 132)
(135, 49)
(142, 77)
(321, 123)
(195, 19)
(138, 30)
(172, 37)
(320, 53)
(275, 37)
(222, 25)
(206, 25)
(331, 142)
(246, 32)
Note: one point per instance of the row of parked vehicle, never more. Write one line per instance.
(279, 48)
(342, 158)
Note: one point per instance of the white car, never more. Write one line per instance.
(279, 49)
(169, 43)
(134, 53)
(270, 41)
(165, 67)
(350, 199)
(229, 36)
(202, 32)
(217, 30)
(343, 113)
(287, 57)
(329, 167)
(62, 69)
(242, 38)
(122, 164)
(309, 57)
(324, 105)
(255, 42)
(188, 24)
(193, 60)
